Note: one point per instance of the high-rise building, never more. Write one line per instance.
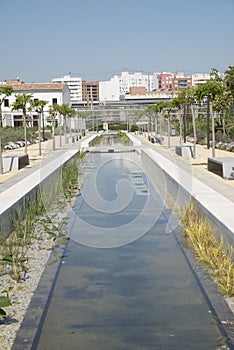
(90, 91)
(75, 86)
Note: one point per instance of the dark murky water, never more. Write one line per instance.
(140, 295)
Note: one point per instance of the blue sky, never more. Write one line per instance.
(44, 39)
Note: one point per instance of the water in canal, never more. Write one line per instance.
(125, 284)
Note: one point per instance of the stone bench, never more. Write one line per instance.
(223, 167)
(185, 151)
(15, 162)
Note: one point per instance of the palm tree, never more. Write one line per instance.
(229, 79)
(223, 103)
(180, 101)
(210, 90)
(65, 111)
(21, 102)
(4, 93)
(190, 99)
(52, 113)
(168, 106)
(156, 109)
(38, 106)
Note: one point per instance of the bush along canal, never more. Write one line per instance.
(126, 282)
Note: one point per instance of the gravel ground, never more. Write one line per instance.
(22, 291)
(38, 254)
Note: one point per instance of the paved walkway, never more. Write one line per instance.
(10, 178)
(198, 167)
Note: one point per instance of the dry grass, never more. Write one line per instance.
(209, 250)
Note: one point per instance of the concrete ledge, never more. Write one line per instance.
(134, 140)
(223, 167)
(184, 187)
(16, 197)
(15, 162)
(85, 144)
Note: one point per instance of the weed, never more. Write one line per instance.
(4, 302)
(209, 250)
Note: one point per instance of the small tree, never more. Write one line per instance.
(52, 113)
(223, 103)
(21, 102)
(4, 93)
(157, 109)
(211, 90)
(180, 101)
(65, 111)
(229, 79)
(38, 106)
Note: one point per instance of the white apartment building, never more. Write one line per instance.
(109, 90)
(127, 80)
(200, 78)
(75, 86)
(118, 86)
(53, 93)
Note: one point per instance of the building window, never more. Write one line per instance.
(6, 103)
(18, 120)
(54, 101)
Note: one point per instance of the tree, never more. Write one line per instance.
(223, 103)
(167, 106)
(38, 106)
(229, 79)
(4, 93)
(21, 102)
(180, 101)
(156, 109)
(210, 90)
(52, 113)
(65, 111)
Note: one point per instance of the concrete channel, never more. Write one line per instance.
(127, 281)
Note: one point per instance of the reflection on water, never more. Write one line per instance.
(142, 295)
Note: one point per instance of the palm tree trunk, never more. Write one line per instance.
(213, 130)
(65, 128)
(39, 133)
(60, 131)
(168, 131)
(53, 135)
(180, 122)
(25, 134)
(70, 121)
(160, 121)
(194, 133)
(1, 162)
(223, 122)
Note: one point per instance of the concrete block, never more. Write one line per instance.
(222, 166)
(185, 151)
(15, 162)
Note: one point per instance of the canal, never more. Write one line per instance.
(125, 283)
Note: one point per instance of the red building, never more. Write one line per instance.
(165, 81)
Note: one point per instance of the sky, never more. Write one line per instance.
(95, 40)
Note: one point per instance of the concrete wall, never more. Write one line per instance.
(183, 187)
(14, 200)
